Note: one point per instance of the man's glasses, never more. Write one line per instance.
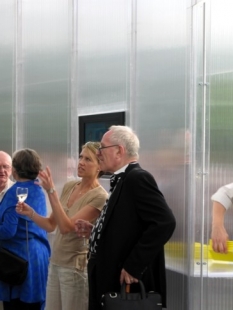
(5, 167)
(105, 147)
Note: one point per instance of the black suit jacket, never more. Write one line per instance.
(138, 223)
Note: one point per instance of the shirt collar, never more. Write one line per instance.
(122, 169)
(8, 185)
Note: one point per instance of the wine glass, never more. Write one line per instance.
(82, 227)
(22, 193)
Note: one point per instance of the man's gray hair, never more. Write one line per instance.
(124, 135)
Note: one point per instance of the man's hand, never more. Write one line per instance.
(83, 228)
(219, 238)
(127, 278)
(219, 234)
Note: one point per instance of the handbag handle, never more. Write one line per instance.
(27, 239)
(125, 288)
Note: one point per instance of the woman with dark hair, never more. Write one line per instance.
(67, 286)
(20, 235)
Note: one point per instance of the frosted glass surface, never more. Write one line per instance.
(103, 54)
(62, 59)
(213, 145)
(7, 23)
(46, 39)
(160, 118)
(221, 128)
(46, 45)
(221, 98)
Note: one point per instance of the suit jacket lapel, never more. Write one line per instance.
(115, 194)
(113, 200)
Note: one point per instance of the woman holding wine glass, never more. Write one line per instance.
(20, 235)
(67, 286)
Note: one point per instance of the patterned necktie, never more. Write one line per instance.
(97, 229)
(114, 180)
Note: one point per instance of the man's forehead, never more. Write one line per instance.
(106, 137)
(5, 158)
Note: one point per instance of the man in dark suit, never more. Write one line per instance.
(126, 243)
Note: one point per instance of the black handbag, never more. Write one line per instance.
(132, 301)
(13, 269)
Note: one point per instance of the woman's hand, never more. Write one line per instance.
(83, 228)
(24, 209)
(46, 180)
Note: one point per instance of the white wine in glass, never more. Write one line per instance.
(22, 193)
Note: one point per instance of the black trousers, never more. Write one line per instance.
(16, 304)
(94, 302)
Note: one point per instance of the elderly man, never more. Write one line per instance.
(127, 241)
(5, 173)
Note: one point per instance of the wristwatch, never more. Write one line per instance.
(51, 190)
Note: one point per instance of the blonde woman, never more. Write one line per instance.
(67, 286)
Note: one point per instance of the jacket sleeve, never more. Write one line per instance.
(156, 218)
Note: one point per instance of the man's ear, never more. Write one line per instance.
(121, 150)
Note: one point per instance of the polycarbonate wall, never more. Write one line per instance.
(35, 80)
(211, 127)
(160, 120)
(7, 75)
(168, 65)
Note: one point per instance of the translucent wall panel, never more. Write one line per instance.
(46, 45)
(220, 282)
(200, 151)
(212, 154)
(7, 26)
(103, 34)
(160, 119)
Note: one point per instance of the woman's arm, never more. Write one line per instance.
(58, 216)
(64, 223)
(47, 223)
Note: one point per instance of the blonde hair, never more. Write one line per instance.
(93, 147)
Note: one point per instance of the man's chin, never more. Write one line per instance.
(3, 181)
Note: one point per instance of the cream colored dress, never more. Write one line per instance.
(67, 281)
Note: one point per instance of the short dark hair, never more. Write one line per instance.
(27, 163)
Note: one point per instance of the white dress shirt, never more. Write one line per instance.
(224, 195)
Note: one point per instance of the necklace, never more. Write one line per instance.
(76, 193)
(83, 191)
